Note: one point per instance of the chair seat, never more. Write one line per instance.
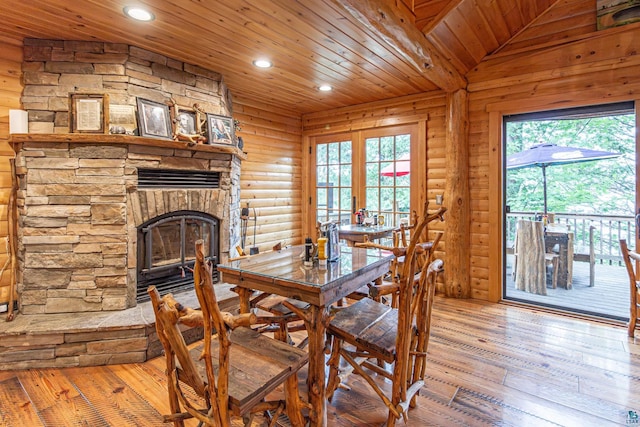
(257, 365)
(274, 305)
(369, 324)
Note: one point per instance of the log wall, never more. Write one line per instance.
(10, 91)
(597, 68)
(272, 175)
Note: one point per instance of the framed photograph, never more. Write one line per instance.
(220, 129)
(88, 113)
(122, 119)
(186, 122)
(154, 119)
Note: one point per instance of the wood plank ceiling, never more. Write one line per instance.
(366, 49)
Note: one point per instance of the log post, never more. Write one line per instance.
(457, 196)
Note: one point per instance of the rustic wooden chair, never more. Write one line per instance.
(375, 332)
(233, 371)
(630, 257)
(272, 316)
(389, 285)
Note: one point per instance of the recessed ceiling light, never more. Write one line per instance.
(138, 13)
(262, 63)
(325, 88)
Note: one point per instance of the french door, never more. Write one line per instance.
(364, 170)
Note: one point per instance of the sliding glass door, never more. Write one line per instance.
(573, 172)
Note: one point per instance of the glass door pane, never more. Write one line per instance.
(334, 172)
(387, 183)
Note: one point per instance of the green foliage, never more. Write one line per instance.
(605, 187)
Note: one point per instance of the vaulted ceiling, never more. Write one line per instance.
(368, 50)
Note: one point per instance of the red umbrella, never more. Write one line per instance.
(400, 167)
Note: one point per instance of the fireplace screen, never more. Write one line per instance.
(166, 250)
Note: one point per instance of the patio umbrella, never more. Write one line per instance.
(543, 155)
(402, 167)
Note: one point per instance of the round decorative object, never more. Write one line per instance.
(117, 130)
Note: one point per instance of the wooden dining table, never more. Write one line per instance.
(357, 233)
(283, 273)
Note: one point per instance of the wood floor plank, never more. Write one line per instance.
(147, 381)
(593, 405)
(487, 365)
(16, 408)
(119, 403)
(57, 401)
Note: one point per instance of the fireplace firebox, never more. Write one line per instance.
(166, 250)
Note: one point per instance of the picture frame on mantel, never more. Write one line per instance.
(122, 119)
(154, 119)
(220, 129)
(89, 113)
(188, 123)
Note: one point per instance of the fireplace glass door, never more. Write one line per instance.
(166, 250)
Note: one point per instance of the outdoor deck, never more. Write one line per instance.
(608, 298)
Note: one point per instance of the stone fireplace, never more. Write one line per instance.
(101, 217)
(83, 209)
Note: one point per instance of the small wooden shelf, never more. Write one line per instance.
(85, 138)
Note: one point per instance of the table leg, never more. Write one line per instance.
(244, 295)
(316, 380)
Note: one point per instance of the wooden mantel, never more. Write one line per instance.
(92, 138)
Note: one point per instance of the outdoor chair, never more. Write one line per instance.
(233, 371)
(368, 333)
(631, 257)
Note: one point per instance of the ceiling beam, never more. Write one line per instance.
(382, 19)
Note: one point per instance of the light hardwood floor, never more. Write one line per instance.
(488, 364)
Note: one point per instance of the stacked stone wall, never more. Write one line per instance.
(54, 69)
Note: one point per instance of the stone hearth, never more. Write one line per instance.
(90, 339)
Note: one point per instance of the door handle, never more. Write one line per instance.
(353, 206)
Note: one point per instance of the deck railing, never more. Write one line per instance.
(605, 231)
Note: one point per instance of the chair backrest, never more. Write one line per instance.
(631, 257)
(173, 342)
(421, 309)
(414, 303)
(213, 322)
